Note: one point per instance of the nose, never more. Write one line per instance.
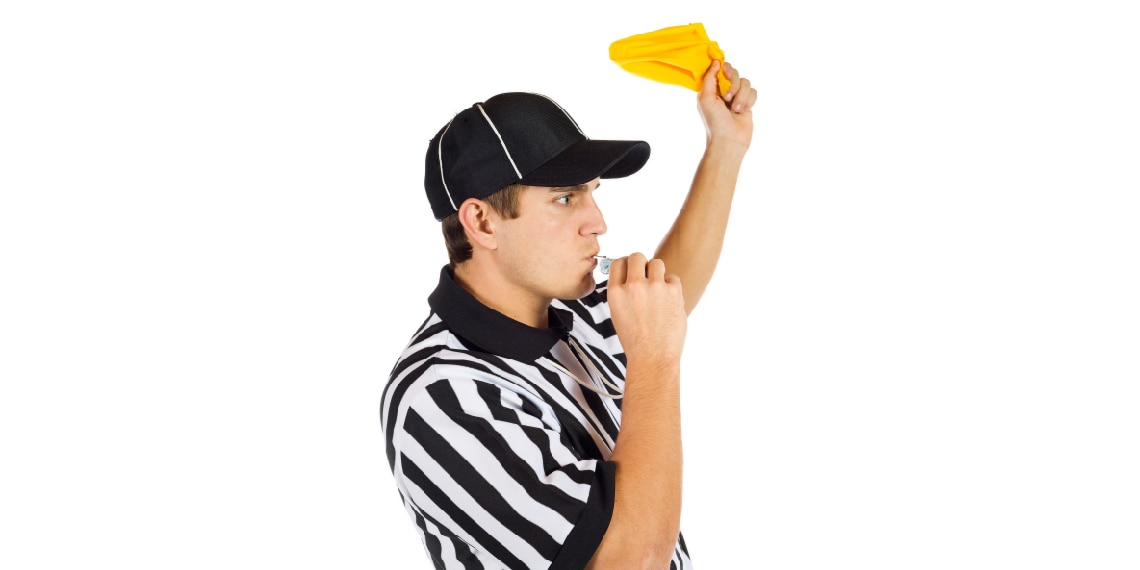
(594, 223)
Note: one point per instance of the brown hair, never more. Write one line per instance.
(505, 201)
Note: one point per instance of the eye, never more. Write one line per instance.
(564, 199)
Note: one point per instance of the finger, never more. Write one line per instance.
(618, 271)
(655, 270)
(709, 87)
(674, 281)
(745, 98)
(733, 76)
(635, 271)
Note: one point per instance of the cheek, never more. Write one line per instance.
(548, 240)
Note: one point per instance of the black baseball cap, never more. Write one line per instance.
(522, 138)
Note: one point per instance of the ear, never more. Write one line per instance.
(478, 219)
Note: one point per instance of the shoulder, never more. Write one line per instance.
(439, 361)
(435, 353)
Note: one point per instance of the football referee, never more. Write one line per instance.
(533, 421)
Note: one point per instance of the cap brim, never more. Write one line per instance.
(589, 159)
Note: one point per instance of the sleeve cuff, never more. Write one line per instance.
(583, 541)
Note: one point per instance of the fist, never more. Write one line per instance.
(648, 309)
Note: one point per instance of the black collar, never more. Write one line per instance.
(491, 330)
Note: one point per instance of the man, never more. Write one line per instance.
(502, 415)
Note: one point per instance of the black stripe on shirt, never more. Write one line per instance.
(478, 488)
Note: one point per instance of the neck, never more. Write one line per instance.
(490, 288)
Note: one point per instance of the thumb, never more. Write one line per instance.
(709, 85)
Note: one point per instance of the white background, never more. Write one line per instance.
(921, 349)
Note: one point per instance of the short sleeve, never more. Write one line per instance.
(491, 476)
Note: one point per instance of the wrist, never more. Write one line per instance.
(725, 148)
(662, 364)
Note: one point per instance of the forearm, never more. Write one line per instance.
(692, 246)
(647, 495)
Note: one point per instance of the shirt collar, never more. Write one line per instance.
(491, 330)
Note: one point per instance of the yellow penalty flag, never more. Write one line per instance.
(678, 55)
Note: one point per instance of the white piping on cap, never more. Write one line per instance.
(555, 103)
(439, 153)
(501, 143)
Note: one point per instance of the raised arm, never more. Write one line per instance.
(693, 244)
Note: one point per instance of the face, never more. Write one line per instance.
(548, 251)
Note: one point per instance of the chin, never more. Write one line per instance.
(585, 286)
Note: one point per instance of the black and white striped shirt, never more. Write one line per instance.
(499, 434)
